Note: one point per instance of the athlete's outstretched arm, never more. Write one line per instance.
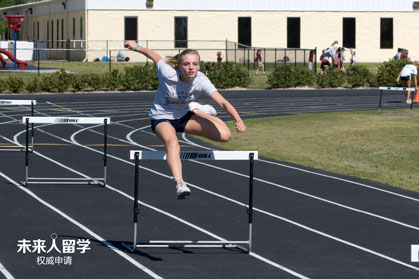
(227, 107)
(151, 54)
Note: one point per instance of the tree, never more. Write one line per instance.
(8, 3)
(3, 25)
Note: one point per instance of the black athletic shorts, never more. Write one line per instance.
(178, 124)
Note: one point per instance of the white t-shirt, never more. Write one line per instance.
(409, 70)
(173, 95)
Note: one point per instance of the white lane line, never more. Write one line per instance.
(152, 207)
(5, 272)
(84, 228)
(341, 179)
(281, 217)
(316, 173)
(259, 257)
(271, 214)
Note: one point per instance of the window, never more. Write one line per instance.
(245, 32)
(58, 33)
(47, 33)
(74, 28)
(131, 28)
(37, 30)
(349, 31)
(52, 34)
(293, 32)
(62, 33)
(386, 30)
(81, 28)
(181, 32)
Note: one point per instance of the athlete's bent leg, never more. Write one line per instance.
(211, 127)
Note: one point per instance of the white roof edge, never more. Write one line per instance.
(240, 5)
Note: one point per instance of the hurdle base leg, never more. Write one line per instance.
(66, 181)
(188, 244)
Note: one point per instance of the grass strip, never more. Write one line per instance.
(380, 147)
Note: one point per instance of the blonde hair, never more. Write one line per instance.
(174, 61)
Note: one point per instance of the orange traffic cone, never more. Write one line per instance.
(416, 99)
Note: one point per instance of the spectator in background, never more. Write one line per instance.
(341, 59)
(310, 60)
(259, 61)
(398, 54)
(353, 58)
(336, 58)
(219, 59)
(325, 64)
(405, 54)
(405, 76)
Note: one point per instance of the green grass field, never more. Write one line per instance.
(380, 147)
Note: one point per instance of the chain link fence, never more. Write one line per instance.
(108, 50)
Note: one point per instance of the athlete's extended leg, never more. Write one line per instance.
(211, 127)
(167, 134)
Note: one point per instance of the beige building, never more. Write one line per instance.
(375, 28)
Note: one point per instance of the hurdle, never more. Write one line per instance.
(66, 120)
(138, 155)
(384, 88)
(31, 103)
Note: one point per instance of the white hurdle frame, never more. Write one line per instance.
(31, 103)
(66, 120)
(138, 155)
(387, 88)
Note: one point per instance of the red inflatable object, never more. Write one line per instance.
(21, 64)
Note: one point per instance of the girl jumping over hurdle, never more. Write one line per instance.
(174, 109)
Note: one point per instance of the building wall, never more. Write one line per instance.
(217, 21)
(269, 29)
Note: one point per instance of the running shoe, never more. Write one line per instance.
(182, 191)
(208, 109)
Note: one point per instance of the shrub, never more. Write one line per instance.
(226, 75)
(286, 75)
(333, 78)
(282, 76)
(359, 76)
(80, 82)
(113, 80)
(47, 83)
(62, 80)
(95, 81)
(34, 85)
(3, 85)
(304, 77)
(388, 72)
(140, 77)
(15, 83)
